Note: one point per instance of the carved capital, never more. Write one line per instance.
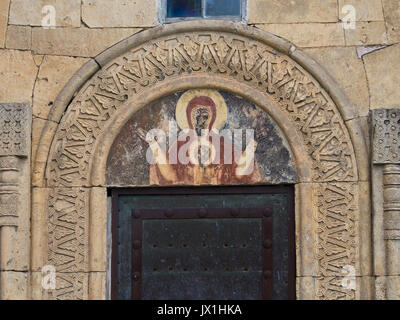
(386, 136)
(15, 127)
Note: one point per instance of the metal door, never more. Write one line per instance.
(203, 243)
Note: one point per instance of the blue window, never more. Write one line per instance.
(184, 8)
(212, 9)
(215, 8)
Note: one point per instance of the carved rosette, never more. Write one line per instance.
(228, 56)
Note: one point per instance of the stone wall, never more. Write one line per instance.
(36, 63)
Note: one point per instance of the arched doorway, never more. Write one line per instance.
(331, 222)
(174, 241)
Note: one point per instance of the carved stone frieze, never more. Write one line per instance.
(71, 286)
(337, 236)
(67, 229)
(226, 56)
(299, 95)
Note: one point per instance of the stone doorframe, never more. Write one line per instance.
(332, 206)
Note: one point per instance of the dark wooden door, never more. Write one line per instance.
(203, 243)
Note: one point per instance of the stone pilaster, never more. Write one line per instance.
(391, 212)
(386, 197)
(15, 136)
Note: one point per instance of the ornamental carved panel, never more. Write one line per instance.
(337, 223)
(386, 136)
(14, 129)
(227, 56)
(15, 125)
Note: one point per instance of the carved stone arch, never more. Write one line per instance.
(332, 224)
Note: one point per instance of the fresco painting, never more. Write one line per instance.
(200, 137)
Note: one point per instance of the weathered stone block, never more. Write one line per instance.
(37, 292)
(370, 10)
(393, 287)
(37, 127)
(38, 59)
(97, 285)
(82, 42)
(119, 13)
(39, 225)
(14, 285)
(271, 11)
(3, 21)
(305, 231)
(383, 73)
(98, 227)
(366, 33)
(380, 288)
(309, 34)
(18, 71)
(41, 150)
(54, 73)
(28, 12)
(391, 10)
(357, 129)
(348, 71)
(305, 288)
(19, 37)
(15, 244)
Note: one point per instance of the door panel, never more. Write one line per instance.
(203, 243)
(219, 257)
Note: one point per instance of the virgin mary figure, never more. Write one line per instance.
(201, 155)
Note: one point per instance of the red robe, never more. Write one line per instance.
(212, 174)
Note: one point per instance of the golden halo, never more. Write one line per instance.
(220, 106)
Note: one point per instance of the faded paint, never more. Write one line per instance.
(127, 164)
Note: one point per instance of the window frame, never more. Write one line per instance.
(164, 19)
